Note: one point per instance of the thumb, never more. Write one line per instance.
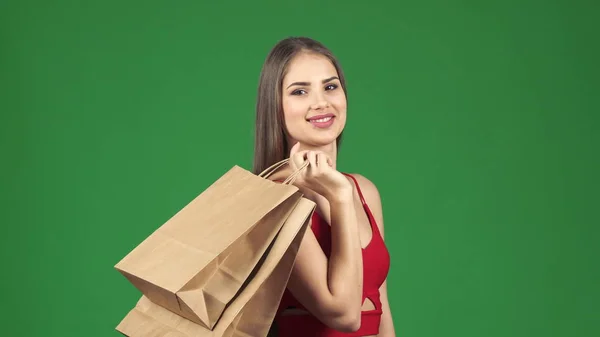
(294, 149)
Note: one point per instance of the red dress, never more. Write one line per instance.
(376, 264)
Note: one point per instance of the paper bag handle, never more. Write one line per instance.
(271, 169)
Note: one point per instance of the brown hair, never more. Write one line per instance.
(270, 141)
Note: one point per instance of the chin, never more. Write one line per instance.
(311, 136)
(317, 141)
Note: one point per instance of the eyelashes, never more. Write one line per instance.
(329, 87)
(298, 92)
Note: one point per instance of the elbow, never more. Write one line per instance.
(343, 316)
(347, 323)
(352, 325)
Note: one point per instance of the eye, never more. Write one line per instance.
(298, 92)
(331, 87)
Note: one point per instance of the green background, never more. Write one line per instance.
(477, 120)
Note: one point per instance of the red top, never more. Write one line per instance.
(376, 264)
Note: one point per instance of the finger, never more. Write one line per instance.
(322, 159)
(298, 159)
(312, 159)
(294, 163)
(294, 149)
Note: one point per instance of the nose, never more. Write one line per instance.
(320, 102)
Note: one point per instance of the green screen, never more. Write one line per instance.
(477, 121)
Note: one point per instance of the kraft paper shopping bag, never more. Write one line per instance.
(196, 262)
(251, 312)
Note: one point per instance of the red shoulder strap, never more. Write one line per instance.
(362, 199)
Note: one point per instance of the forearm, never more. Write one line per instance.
(345, 262)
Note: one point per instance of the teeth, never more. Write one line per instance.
(322, 120)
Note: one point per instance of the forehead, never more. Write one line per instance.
(309, 67)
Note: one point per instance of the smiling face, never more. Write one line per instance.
(314, 102)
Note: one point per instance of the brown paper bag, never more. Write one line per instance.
(195, 263)
(251, 313)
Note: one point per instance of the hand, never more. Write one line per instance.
(319, 176)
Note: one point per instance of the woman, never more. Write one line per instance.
(337, 286)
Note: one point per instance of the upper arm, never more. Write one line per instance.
(308, 278)
(308, 283)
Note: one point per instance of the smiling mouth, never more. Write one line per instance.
(321, 120)
(324, 118)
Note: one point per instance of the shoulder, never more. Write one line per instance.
(372, 198)
(368, 188)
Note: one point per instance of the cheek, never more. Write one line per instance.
(339, 102)
(293, 110)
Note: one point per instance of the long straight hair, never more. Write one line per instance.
(270, 141)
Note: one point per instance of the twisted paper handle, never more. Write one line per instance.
(290, 180)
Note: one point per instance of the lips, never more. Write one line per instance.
(321, 118)
(322, 121)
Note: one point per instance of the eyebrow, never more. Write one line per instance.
(308, 83)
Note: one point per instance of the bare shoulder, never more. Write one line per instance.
(372, 198)
(368, 189)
